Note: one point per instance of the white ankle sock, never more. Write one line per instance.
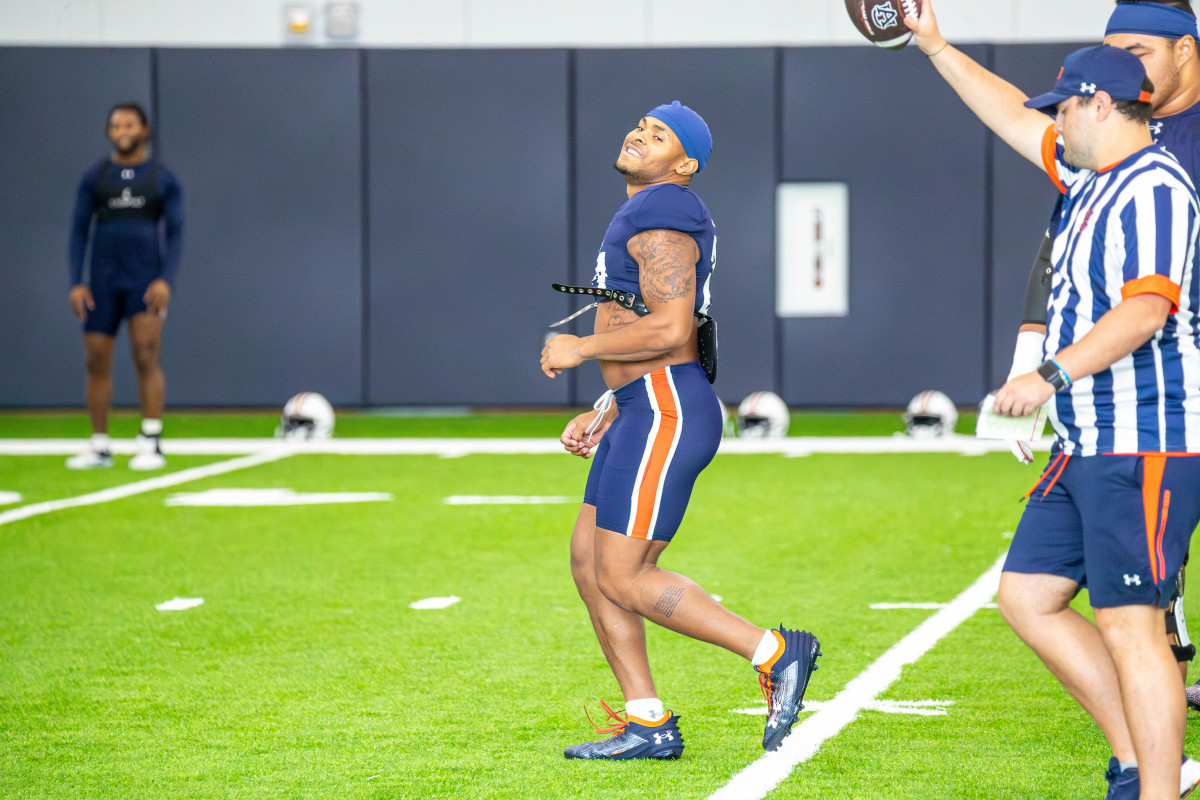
(1123, 766)
(151, 427)
(767, 649)
(649, 709)
(101, 442)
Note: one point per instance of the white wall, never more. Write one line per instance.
(529, 23)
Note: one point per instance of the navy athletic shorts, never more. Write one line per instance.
(643, 470)
(1118, 524)
(112, 306)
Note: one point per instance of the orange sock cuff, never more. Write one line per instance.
(765, 666)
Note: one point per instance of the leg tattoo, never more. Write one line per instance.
(669, 600)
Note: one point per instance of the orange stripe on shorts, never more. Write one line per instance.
(660, 450)
(1153, 467)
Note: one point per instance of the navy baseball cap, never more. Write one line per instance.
(1102, 68)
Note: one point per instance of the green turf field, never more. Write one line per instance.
(305, 673)
(23, 424)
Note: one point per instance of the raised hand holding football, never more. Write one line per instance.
(882, 21)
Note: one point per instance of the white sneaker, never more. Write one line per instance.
(1189, 776)
(149, 455)
(90, 459)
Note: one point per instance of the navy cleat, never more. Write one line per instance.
(632, 738)
(784, 682)
(1125, 785)
(1192, 693)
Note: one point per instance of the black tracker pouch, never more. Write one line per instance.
(706, 334)
(706, 343)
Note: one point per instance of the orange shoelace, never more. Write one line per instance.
(613, 716)
(764, 683)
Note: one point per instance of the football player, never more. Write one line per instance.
(123, 201)
(650, 436)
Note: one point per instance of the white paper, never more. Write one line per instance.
(990, 425)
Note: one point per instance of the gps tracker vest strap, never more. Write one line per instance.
(706, 334)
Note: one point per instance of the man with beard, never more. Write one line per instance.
(653, 276)
(1162, 33)
(1122, 341)
(122, 200)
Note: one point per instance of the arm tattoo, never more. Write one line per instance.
(669, 600)
(614, 316)
(668, 268)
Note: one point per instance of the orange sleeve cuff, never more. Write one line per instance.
(1153, 284)
(1049, 150)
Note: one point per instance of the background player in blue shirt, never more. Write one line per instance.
(121, 201)
(649, 446)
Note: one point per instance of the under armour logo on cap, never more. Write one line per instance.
(1116, 72)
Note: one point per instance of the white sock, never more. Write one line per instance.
(767, 648)
(101, 442)
(152, 427)
(649, 709)
(1122, 766)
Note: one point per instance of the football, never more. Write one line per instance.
(882, 21)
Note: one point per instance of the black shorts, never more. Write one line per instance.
(112, 306)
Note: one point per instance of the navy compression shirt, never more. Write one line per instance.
(126, 204)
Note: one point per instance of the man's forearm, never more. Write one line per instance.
(645, 338)
(1117, 334)
(81, 223)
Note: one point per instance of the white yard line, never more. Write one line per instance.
(506, 500)
(260, 498)
(760, 777)
(149, 485)
(921, 708)
(924, 606)
(796, 446)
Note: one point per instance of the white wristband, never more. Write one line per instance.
(1028, 354)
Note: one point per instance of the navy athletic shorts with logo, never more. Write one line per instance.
(667, 431)
(1118, 524)
(113, 305)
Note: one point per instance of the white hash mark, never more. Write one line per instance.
(435, 602)
(180, 603)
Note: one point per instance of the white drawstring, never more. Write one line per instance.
(603, 404)
(573, 316)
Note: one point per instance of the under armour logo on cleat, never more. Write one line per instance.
(1087, 88)
(1133, 580)
(659, 738)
